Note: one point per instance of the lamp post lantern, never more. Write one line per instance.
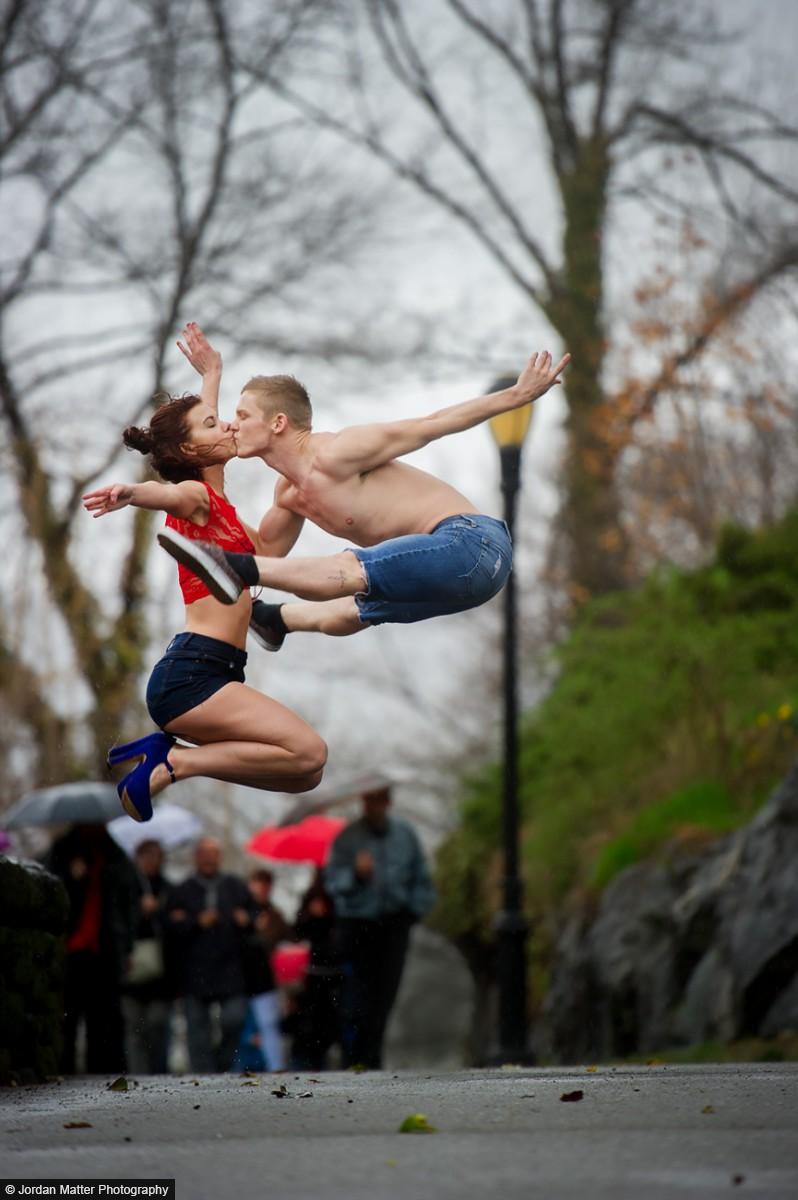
(509, 430)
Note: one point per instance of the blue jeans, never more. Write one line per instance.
(463, 562)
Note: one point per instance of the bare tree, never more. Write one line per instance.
(150, 182)
(617, 113)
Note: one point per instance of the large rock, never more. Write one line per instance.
(700, 947)
(33, 915)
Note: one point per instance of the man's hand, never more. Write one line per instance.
(241, 917)
(199, 352)
(364, 865)
(207, 918)
(78, 868)
(149, 905)
(538, 376)
(108, 499)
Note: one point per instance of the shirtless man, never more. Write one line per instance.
(420, 548)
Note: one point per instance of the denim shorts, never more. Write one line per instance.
(191, 670)
(463, 562)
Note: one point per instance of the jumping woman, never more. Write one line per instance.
(197, 691)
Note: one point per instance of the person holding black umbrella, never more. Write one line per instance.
(101, 885)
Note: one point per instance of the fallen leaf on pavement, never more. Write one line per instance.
(577, 1095)
(416, 1123)
(120, 1084)
(78, 1125)
(707, 1108)
(281, 1091)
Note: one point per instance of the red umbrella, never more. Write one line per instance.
(307, 841)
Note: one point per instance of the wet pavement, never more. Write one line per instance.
(643, 1132)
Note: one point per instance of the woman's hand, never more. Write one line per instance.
(199, 352)
(108, 499)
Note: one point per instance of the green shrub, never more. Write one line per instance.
(671, 705)
(699, 806)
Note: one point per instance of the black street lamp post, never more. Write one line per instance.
(509, 430)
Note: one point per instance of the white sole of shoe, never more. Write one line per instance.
(218, 578)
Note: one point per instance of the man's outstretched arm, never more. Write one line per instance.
(363, 447)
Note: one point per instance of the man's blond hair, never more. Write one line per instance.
(281, 393)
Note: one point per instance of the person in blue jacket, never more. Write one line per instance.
(378, 878)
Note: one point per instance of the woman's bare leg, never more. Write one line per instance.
(245, 737)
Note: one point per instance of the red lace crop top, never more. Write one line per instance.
(223, 529)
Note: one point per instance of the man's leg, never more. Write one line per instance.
(394, 933)
(232, 1015)
(74, 1000)
(134, 1012)
(354, 991)
(105, 1027)
(198, 1034)
(158, 1019)
(326, 578)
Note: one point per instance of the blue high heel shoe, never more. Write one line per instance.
(134, 790)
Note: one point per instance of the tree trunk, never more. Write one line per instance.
(590, 515)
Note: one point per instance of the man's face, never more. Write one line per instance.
(375, 808)
(149, 859)
(253, 432)
(260, 890)
(207, 857)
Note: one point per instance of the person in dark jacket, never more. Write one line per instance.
(380, 884)
(269, 928)
(211, 913)
(101, 885)
(150, 981)
(315, 1023)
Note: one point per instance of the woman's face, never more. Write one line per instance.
(210, 435)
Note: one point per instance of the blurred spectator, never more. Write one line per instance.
(315, 1019)
(211, 913)
(269, 928)
(150, 979)
(380, 885)
(101, 884)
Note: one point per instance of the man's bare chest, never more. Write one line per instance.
(334, 505)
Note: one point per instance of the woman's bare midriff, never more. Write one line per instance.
(225, 622)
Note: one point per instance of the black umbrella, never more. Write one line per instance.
(66, 802)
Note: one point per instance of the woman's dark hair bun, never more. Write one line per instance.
(137, 438)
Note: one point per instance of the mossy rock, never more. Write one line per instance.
(31, 898)
(33, 916)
